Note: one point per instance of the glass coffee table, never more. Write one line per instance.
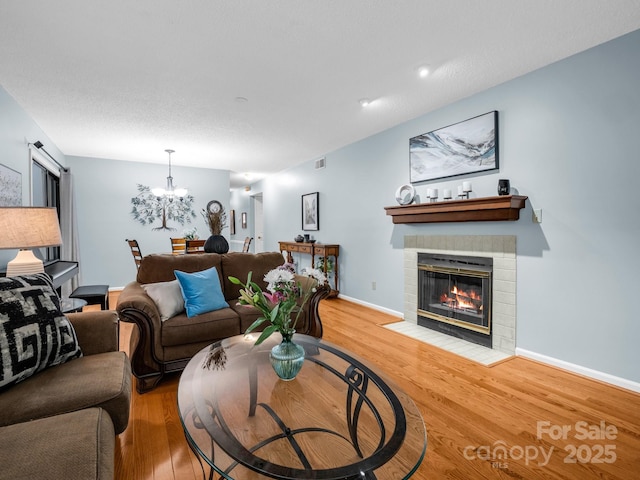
(338, 419)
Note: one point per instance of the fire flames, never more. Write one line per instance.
(467, 300)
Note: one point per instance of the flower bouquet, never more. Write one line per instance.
(281, 306)
(278, 304)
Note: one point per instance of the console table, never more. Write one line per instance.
(323, 249)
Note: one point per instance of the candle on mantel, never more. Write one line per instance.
(429, 192)
(434, 193)
(460, 191)
(446, 194)
(466, 186)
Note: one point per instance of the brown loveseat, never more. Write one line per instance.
(62, 421)
(161, 346)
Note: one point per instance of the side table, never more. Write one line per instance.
(71, 305)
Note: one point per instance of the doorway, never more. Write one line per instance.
(258, 224)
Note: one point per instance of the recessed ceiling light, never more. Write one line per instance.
(423, 71)
(365, 102)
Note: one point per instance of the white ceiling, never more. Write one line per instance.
(126, 79)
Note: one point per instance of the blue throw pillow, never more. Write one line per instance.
(201, 291)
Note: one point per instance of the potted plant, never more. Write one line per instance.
(190, 234)
(330, 264)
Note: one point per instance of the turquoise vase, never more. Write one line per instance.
(287, 358)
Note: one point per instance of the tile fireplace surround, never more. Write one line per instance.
(502, 248)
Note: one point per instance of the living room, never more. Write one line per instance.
(567, 135)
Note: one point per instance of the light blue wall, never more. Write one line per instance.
(104, 189)
(17, 129)
(569, 141)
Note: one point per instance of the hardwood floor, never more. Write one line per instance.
(504, 421)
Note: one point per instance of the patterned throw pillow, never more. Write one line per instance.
(34, 334)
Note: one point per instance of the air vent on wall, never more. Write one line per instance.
(321, 163)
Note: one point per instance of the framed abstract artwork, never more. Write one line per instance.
(10, 187)
(466, 147)
(310, 211)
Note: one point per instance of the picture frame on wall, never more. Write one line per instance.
(232, 222)
(10, 187)
(470, 146)
(311, 212)
(244, 219)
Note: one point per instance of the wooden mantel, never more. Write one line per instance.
(486, 209)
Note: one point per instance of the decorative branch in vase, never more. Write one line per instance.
(216, 219)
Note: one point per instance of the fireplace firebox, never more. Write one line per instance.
(454, 296)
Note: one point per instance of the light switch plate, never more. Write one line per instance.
(537, 215)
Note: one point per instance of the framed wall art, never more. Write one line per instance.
(244, 219)
(466, 147)
(310, 211)
(232, 222)
(10, 187)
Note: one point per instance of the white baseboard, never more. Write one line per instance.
(587, 372)
(371, 305)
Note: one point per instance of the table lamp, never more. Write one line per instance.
(26, 228)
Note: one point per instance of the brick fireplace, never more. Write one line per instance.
(499, 249)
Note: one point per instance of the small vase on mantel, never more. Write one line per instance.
(287, 357)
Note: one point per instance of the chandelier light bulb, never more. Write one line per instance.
(180, 192)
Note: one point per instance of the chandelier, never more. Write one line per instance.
(170, 192)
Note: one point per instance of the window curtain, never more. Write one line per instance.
(69, 228)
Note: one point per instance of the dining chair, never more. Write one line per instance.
(178, 245)
(135, 251)
(247, 242)
(195, 246)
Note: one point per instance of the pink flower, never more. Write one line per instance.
(271, 297)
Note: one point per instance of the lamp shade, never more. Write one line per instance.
(25, 228)
(29, 227)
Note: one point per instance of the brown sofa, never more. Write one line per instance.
(159, 347)
(62, 421)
